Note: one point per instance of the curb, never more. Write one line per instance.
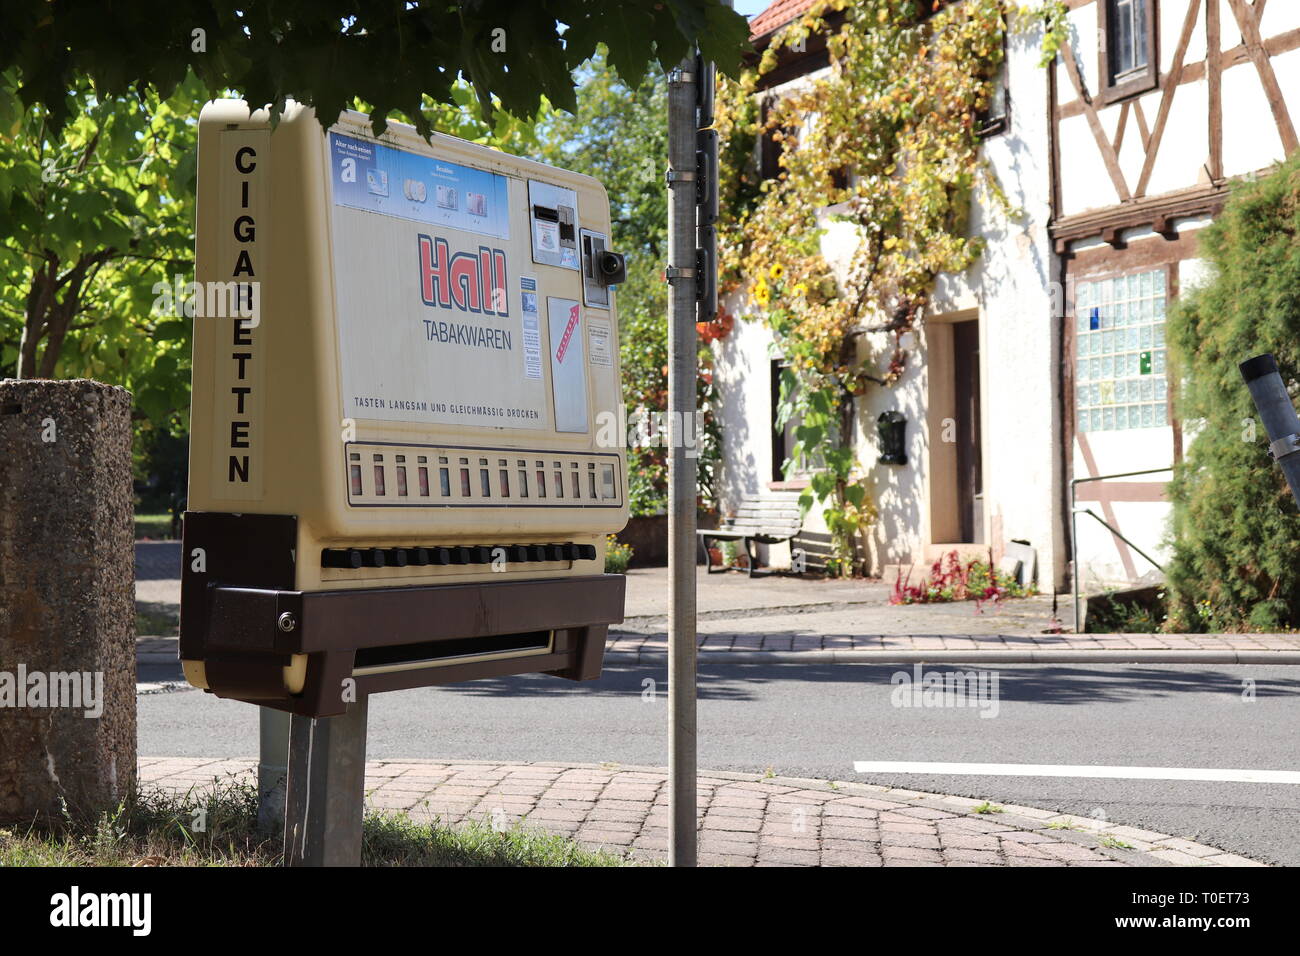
(951, 656)
(936, 656)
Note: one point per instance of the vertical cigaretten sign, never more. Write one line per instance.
(237, 436)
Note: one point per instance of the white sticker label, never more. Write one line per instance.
(548, 236)
(599, 351)
(532, 329)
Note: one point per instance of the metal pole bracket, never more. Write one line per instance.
(1287, 445)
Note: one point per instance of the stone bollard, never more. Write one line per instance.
(67, 601)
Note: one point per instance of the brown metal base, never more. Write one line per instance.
(242, 618)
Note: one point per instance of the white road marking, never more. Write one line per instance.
(1068, 770)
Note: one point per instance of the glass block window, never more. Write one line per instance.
(1120, 380)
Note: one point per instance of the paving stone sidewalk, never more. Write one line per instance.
(745, 819)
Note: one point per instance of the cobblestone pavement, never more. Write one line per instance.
(745, 819)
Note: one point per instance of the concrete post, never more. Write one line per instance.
(67, 600)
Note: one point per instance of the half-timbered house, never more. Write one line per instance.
(1038, 382)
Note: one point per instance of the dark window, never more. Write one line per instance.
(1128, 47)
(1128, 53)
(772, 144)
(995, 118)
(782, 435)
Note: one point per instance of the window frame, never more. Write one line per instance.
(1167, 269)
(1114, 89)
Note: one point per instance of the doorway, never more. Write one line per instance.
(966, 392)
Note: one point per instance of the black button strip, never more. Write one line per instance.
(353, 559)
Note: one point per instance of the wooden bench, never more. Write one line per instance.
(757, 521)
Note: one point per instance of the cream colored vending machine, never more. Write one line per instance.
(404, 457)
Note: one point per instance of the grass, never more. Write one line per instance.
(154, 527)
(986, 807)
(154, 619)
(1115, 843)
(217, 827)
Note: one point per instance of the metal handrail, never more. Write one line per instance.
(1074, 529)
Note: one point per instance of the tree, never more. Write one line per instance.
(1236, 539)
(93, 216)
(99, 219)
(97, 121)
(324, 53)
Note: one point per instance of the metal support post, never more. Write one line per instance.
(325, 797)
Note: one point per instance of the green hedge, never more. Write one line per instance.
(1236, 535)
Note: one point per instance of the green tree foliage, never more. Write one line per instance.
(326, 53)
(91, 218)
(98, 219)
(98, 110)
(618, 134)
(1236, 536)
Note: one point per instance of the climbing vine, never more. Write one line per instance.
(885, 143)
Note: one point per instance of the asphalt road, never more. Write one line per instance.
(816, 720)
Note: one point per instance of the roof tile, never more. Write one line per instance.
(777, 15)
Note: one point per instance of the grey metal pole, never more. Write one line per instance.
(272, 768)
(326, 791)
(681, 469)
(1074, 558)
(1278, 414)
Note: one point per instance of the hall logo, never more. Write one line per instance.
(472, 282)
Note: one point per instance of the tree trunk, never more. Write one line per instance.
(27, 351)
(39, 300)
(47, 317)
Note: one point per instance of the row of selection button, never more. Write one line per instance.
(352, 559)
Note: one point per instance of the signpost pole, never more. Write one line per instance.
(326, 790)
(681, 469)
(272, 768)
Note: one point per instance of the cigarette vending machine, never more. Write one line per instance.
(404, 352)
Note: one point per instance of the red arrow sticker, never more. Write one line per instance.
(568, 333)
